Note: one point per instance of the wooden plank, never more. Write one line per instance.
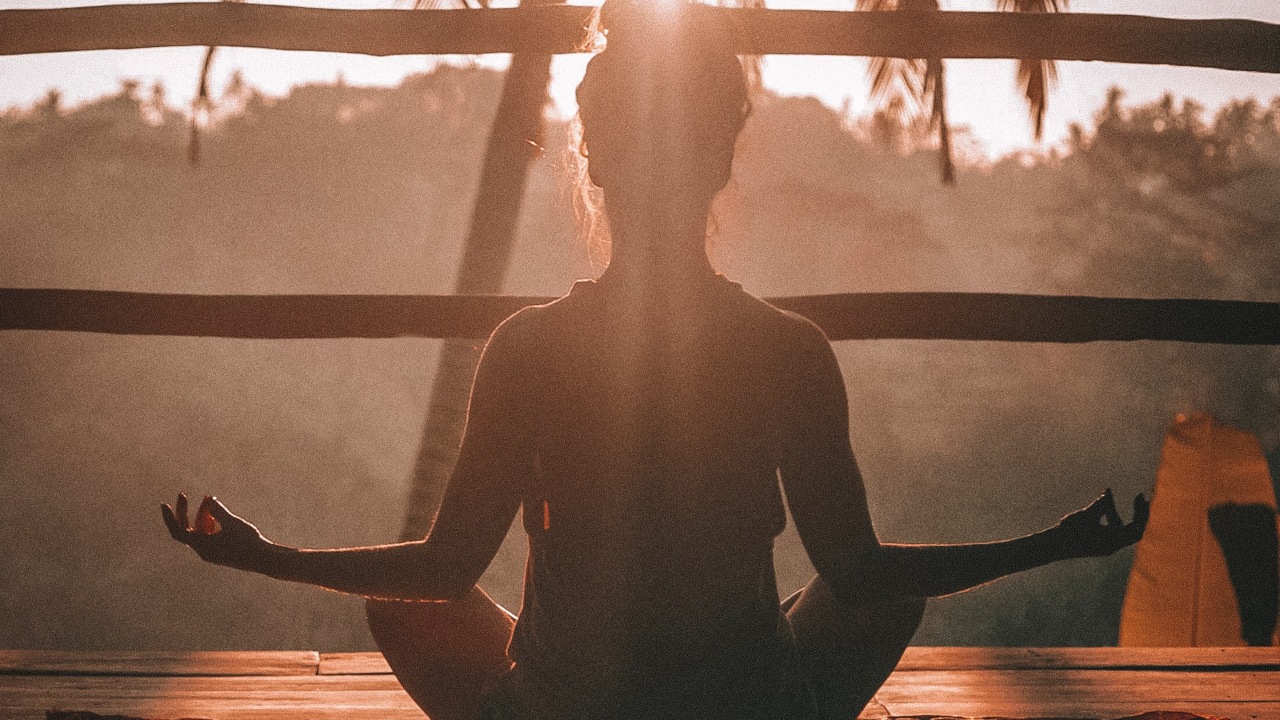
(169, 709)
(199, 711)
(1230, 44)
(211, 697)
(847, 316)
(992, 682)
(975, 658)
(926, 709)
(353, 663)
(203, 685)
(162, 663)
(1152, 687)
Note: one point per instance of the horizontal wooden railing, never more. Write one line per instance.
(1229, 44)
(854, 316)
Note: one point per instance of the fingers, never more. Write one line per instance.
(1141, 514)
(215, 516)
(206, 522)
(1141, 507)
(220, 511)
(1109, 511)
(171, 521)
(175, 518)
(1099, 513)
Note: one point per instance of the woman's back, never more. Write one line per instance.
(658, 429)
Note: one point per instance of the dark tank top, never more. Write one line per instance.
(649, 586)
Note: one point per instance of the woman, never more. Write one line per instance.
(642, 422)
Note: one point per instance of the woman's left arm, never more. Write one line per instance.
(479, 504)
(828, 503)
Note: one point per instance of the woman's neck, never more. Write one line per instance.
(658, 246)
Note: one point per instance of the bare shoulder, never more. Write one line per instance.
(540, 322)
(797, 334)
(515, 340)
(517, 325)
(805, 333)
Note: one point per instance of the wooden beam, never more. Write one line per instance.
(256, 316)
(855, 316)
(1229, 44)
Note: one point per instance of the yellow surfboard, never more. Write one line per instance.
(1179, 591)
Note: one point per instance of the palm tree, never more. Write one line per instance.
(918, 86)
(202, 105)
(514, 141)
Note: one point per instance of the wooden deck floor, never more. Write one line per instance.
(1238, 683)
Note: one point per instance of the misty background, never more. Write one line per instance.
(342, 189)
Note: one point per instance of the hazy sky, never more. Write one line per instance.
(982, 93)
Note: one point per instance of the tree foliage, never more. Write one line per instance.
(336, 188)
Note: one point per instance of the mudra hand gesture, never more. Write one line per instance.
(1098, 530)
(218, 536)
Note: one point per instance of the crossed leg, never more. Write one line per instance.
(446, 655)
(849, 651)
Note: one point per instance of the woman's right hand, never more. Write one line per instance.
(218, 535)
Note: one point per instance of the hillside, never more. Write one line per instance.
(339, 189)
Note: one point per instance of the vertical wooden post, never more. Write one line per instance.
(514, 142)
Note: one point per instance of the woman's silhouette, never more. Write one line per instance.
(642, 422)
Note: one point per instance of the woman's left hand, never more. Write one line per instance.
(218, 535)
(1098, 530)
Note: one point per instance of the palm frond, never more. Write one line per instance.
(1035, 77)
(915, 86)
(901, 78)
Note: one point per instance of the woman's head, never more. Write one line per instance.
(661, 107)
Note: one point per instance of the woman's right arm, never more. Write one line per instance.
(401, 571)
(480, 503)
(828, 503)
